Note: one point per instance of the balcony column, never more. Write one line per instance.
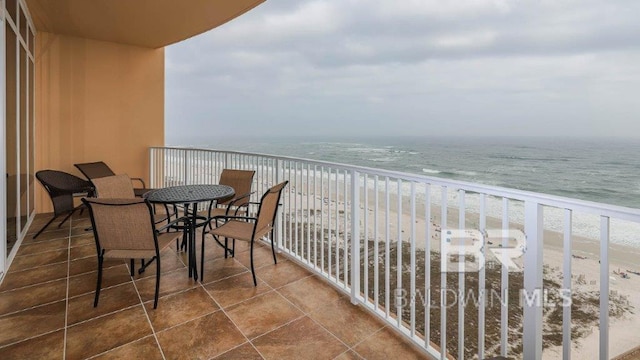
(532, 296)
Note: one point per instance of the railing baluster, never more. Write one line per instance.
(387, 262)
(412, 294)
(399, 255)
(604, 288)
(443, 277)
(355, 237)
(376, 276)
(504, 283)
(532, 325)
(566, 286)
(366, 238)
(322, 212)
(482, 291)
(427, 265)
(345, 251)
(461, 278)
(308, 221)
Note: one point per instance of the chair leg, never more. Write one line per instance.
(155, 299)
(44, 227)
(273, 250)
(253, 271)
(145, 264)
(99, 282)
(66, 218)
(202, 260)
(233, 252)
(226, 247)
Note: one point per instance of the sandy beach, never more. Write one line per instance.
(624, 329)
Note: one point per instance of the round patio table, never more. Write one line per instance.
(189, 196)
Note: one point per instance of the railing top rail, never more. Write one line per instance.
(589, 207)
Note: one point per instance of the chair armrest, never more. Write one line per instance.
(172, 223)
(144, 186)
(233, 217)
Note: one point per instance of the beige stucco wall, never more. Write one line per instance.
(96, 101)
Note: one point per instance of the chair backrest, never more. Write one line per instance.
(122, 224)
(114, 187)
(94, 170)
(240, 181)
(61, 186)
(269, 208)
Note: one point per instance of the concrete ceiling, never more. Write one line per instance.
(146, 23)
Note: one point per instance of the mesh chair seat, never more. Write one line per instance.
(251, 229)
(124, 228)
(99, 169)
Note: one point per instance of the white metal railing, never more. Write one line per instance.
(398, 220)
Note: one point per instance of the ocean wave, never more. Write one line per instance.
(431, 171)
(382, 159)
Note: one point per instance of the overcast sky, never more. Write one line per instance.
(411, 67)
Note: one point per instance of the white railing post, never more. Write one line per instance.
(604, 287)
(355, 236)
(532, 296)
(152, 168)
(281, 217)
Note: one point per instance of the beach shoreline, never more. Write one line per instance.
(585, 254)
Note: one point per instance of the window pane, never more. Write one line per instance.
(23, 138)
(23, 25)
(12, 6)
(10, 151)
(31, 124)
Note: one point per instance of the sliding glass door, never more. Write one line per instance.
(18, 125)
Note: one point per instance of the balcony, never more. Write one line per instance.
(535, 275)
(46, 308)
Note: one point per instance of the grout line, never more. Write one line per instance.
(144, 308)
(66, 307)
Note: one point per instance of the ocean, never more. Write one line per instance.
(600, 170)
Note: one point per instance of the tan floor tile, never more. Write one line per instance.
(385, 344)
(86, 283)
(83, 240)
(301, 339)
(243, 352)
(236, 289)
(146, 348)
(43, 246)
(52, 232)
(32, 322)
(17, 279)
(283, 273)
(49, 346)
(111, 300)
(34, 295)
(263, 313)
(349, 355)
(173, 282)
(90, 264)
(169, 262)
(262, 256)
(203, 338)
(346, 321)
(220, 269)
(178, 308)
(310, 293)
(40, 259)
(105, 333)
(84, 251)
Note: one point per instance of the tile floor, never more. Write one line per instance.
(46, 308)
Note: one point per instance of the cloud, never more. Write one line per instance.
(412, 66)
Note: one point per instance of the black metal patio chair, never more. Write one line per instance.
(62, 187)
